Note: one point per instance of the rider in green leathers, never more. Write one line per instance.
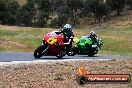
(93, 36)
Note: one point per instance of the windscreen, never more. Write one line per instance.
(83, 38)
(52, 34)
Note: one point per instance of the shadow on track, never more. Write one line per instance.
(80, 57)
(51, 58)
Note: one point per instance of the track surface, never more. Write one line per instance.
(28, 56)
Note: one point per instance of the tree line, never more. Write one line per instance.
(37, 13)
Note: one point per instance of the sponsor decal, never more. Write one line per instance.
(83, 77)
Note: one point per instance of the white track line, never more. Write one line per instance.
(43, 61)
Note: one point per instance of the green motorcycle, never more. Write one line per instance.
(84, 46)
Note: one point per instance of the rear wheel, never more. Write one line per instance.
(39, 51)
(59, 56)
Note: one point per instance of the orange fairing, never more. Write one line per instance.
(75, 39)
(81, 71)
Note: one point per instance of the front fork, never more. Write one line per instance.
(45, 45)
(45, 50)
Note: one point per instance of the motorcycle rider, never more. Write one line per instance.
(93, 36)
(68, 36)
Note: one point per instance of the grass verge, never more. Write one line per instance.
(116, 40)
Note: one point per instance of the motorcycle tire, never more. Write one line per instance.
(59, 56)
(38, 52)
(91, 54)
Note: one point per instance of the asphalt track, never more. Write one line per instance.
(28, 56)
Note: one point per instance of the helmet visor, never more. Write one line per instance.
(67, 31)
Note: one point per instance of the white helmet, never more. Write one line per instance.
(67, 26)
(92, 32)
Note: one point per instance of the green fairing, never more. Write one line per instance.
(83, 41)
(82, 46)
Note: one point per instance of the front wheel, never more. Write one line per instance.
(74, 51)
(39, 51)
